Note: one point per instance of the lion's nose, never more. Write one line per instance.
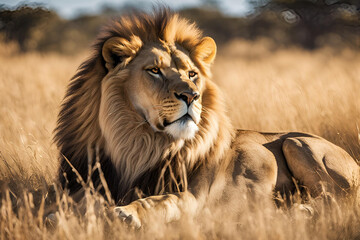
(188, 97)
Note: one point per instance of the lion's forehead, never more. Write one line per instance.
(163, 58)
(181, 60)
(159, 57)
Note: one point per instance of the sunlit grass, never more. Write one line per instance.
(267, 90)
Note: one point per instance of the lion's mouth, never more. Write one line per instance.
(183, 119)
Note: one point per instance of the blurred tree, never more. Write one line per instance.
(37, 29)
(25, 25)
(316, 2)
(315, 18)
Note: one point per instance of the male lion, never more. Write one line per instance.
(145, 108)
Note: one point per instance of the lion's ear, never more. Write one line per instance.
(117, 50)
(205, 51)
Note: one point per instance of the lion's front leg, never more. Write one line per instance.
(168, 207)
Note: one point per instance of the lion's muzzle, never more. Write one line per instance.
(188, 97)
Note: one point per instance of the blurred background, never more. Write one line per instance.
(284, 65)
(69, 26)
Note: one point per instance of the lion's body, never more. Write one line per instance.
(145, 108)
(279, 159)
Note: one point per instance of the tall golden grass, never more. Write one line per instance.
(268, 89)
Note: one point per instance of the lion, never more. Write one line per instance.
(145, 109)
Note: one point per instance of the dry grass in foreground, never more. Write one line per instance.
(267, 90)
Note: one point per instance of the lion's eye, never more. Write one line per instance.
(154, 70)
(192, 74)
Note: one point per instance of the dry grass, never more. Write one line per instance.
(269, 90)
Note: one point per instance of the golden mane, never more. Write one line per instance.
(136, 158)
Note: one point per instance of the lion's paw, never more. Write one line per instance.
(129, 215)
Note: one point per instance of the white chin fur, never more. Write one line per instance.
(182, 130)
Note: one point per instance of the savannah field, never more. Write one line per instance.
(267, 89)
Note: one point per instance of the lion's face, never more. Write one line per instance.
(163, 84)
(166, 88)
